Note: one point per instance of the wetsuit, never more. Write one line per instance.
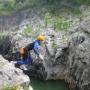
(27, 58)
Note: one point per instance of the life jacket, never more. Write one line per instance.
(22, 50)
(26, 48)
(29, 47)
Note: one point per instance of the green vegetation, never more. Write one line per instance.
(64, 39)
(87, 2)
(27, 30)
(58, 23)
(47, 19)
(37, 30)
(13, 87)
(2, 64)
(73, 1)
(3, 35)
(7, 7)
(61, 24)
(54, 45)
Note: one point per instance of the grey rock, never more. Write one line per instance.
(85, 24)
(11, 76)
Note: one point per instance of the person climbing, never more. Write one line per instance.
(25, 51)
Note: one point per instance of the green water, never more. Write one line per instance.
(48, 85)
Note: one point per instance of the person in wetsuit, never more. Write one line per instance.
(25, 51)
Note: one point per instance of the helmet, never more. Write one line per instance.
(40, 38)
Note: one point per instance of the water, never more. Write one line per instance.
(48, 85)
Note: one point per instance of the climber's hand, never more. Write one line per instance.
(41, 58)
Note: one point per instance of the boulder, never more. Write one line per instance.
(11, 77)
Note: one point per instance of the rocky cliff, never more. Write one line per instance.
(66, 54)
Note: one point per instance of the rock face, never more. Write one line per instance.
(5, 44)
(85, 24)
(11, 76)
(71, 61)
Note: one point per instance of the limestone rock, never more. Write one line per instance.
(11, 76)
(85, 24)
